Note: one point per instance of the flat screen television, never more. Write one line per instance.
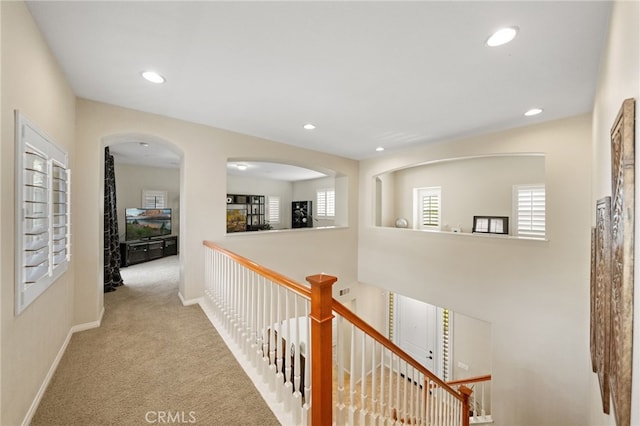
(147, 223)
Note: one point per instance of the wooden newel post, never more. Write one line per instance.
(466, 393)
(321, 349)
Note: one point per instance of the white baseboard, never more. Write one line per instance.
(56, 361)
(189, 302)
(88, 325)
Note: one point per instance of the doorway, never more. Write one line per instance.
(423, 331)
(146, 164)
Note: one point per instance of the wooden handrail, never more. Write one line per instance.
(266, 272)
(484, 378)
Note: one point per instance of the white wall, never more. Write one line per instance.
(132, 180)
(471, 347)
(619, 80)
(32, 83)
(535, 294)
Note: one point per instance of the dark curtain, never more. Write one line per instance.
(112, 278)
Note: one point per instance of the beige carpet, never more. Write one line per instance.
(152, 361)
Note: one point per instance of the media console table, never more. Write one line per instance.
(138, 251)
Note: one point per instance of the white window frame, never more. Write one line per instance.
(273, 209)
(43, 212)
(326, 203)
(526, 212)
(155, 195)
(418, 198)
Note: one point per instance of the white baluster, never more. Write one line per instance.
(373, 415)
(288, 385)
(306, 408)
(297, 394)
(256, 345)
(390, 405)
(363, 381)
(266, 329)
(381, 401)
(273, 344)
(279, 377)
(352, 378)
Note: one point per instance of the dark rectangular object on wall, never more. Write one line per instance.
(302, 214)
(491, 224)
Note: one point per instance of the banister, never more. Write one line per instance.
(321, 349)
(266, 272)
(323, 305)
(368, 329)
(476, 379)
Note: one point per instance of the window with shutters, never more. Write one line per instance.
(428, 207)
(326, 203)
(273, 209)
(43, 219)
(154, 199)
(529, 209)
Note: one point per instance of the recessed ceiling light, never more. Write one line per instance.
(153, 77)
(309, 126)
(379, 149)
(502, 36)
(241, 166)
(532, 112)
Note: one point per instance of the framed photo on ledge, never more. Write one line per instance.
(491, 225)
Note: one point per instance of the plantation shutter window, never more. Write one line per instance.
(428, 207)
(43, 218)
(274, 209)
(530, 210)
(154, 199)
(326, 203)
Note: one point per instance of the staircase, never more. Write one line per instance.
(284, 332)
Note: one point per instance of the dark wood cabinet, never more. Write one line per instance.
(245, 213)
(302, 214)
(138, 251)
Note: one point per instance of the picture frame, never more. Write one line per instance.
(622, 252)
(601, 299)
(491, 225)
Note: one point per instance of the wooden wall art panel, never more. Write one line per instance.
(622, 251)
(601, 298)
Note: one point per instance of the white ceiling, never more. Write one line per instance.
(367, 74)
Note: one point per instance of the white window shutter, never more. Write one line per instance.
(43, 235)
(154, 199)
(530, 211)
(274, 209)
(428, 207)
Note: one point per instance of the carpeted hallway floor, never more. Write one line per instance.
(153, 361)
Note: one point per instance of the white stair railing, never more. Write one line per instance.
(267, 316)
(480, 399)
(268, 322)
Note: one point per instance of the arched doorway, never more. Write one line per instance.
(147, 194)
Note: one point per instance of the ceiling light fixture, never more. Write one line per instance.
(153, 77)
(241, 167)
(379, 149)
(532, 112)
(309, 126)
(502, 36)
(144, 144)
